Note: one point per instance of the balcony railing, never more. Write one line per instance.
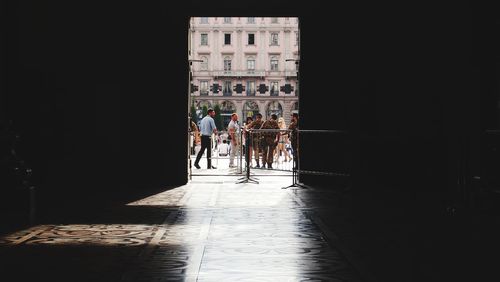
(245, 73)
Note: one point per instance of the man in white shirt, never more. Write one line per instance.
(207, 127)
(234, 130)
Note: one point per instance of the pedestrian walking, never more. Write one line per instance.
(207, 128)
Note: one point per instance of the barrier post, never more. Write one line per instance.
(247, 178)
(295, 165)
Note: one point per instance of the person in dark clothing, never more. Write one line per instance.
(294, 126)
(270, 140)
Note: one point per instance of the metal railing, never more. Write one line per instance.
(272, 149)
(245, 73)
(266, 137)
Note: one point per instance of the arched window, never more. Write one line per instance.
(201, 103)
(226, 109)
(199, 108)
(250, 109)
(227, 106)
(274, 107)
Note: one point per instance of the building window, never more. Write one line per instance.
(251, 39)
(250, 109)
(274, 64)
(199, 108)
(227, 20)
(250, 88)
(251, 64)
(204, 39)
(274, 107)
(274, 20)
(227, 64)
(251, 20)
(227, 89)
(204, 63)
(296, 38)
(227, 38)
(274, 88)
(204, 20)
(274, 38)
(227, 108)
(204, 87)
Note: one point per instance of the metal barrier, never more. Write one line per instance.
(260, 149)
(220, 149)
(258, 137)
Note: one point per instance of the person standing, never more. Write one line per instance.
(195, 138)
(234, 129)
(293, 127)
(255, 138)
(207, 127)
(270, 140)
(280, 149)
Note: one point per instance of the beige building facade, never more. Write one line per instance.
(245, 65)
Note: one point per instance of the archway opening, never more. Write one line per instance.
(244, 66)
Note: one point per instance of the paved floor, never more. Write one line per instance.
(209, 230)
(282, 164)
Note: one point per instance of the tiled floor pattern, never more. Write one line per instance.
(209, 231)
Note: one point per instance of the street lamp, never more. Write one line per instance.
(191, 61)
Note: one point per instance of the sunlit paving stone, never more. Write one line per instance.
(168, 198)
(207, 231)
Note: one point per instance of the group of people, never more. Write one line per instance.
(268, 143)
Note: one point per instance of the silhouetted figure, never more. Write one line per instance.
(294, 126)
